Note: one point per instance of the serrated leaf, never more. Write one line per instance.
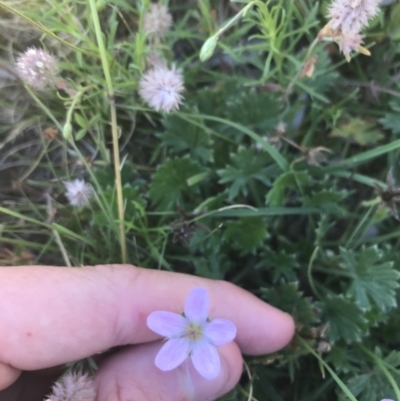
(345, 319)
(374, 385)
(372, 280)
(284, 182)
(247, 232)
(328, 200)
(280, 264)
(360, 131)
(213, 266)
(288, 298)
(253, 109)
(246, 164)
(322, 229)
(183, 136)
(391, 120)
(169, 181)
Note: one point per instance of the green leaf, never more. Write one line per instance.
(280, 264)
(252, 109)
(362, 132)
(327, 200)
(391, 120)
(374, 385)
(286, 181)
(288, 298)
(247, 232)
(345, 319)
(185, 137)
(169, 182)
(213, 266)
(246, 164)
(372, 280)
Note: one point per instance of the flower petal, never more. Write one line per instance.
(206, 360)
(197, 304)
(167, 324)
(220, 331)
(173, 353)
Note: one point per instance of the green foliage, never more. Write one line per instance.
(373, 281)
(391, 120)
(360, 131)
(247, 233)
(223, 187)
(170, 181)
(246, 165)
(282, 265)
(183, 136)
(345, 319)
(373, 384)
(285, 182)
(287, 297)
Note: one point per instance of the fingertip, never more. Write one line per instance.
(8, 375)
(283, 331)
(131, 374)
(231, 371)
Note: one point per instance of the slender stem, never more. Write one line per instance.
(114, 127)
(382, 365)
(296, 77)
(335, 377)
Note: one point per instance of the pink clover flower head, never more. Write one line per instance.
(37, 68)
(78, 192)
(157, 21)
(349, 43)
(192, 334)
(161, 88)
(386, 399)
(73, 387)
(350, 16)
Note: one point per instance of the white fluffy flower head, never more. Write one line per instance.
(161, 88)
(157, 21)
(78, 192)
(73, 387)
(37, 68)
(350, 16)
(349, 43)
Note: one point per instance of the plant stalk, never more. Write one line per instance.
(114, 127)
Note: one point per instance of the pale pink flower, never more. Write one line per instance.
(38, 68)
(78, 192)
(349, 43)
(73, 387)
(157, 21)
(192, 334)
(161, 88)
(350, 16)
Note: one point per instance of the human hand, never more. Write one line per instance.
(51, 315)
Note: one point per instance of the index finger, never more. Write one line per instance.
(53, 315)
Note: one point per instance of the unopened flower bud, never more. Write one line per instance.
(208, 48)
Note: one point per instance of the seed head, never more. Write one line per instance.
(157, 21)
(78, 192)
(38, 68)
(73, 387)
(351, 16)
(161, 88)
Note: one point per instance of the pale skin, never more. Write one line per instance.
(51, 315)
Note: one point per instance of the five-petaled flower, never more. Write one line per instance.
(192, 334)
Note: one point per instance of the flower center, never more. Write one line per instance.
(194, 331)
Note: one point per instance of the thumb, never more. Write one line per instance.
(131, 374)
